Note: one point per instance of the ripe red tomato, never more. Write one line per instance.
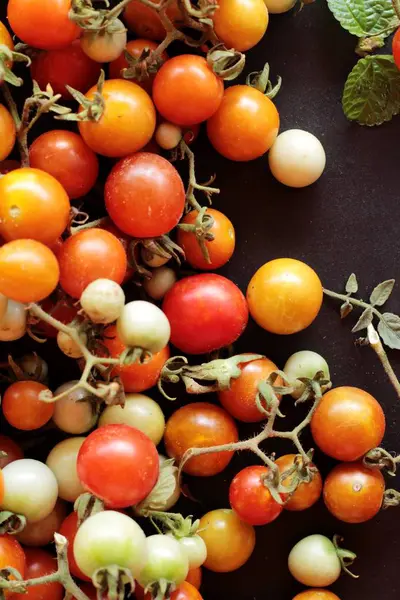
(22, 407)
(13, 451)
(145, 22)
(118, 464)
(11, 555)
(206, 312)
(396, 48)
(38, 564)
(66, 66)
(90, 591)
(34, 205)
(144, 195)
(136, 377)
(9, 165)
(89, 255)
(29, 271)
(194, 577)
(68, 529)
(135, 48)
(62, 310)
(245, 125)
(113, 135)
(250, 499)
(353, 493)
(7, 132)
(66, 157)
(306, 494)
(240, 399)
(348, 423)
(199, 425)
(43, 24)
(220, 249)
(186, 91)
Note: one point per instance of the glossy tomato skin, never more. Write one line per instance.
(315, 594)
(118, 464)
(38, 564)
(250, 499)
(144, 195)
(396, 48)
(306, 494)
(284, 296)
(22, 407)
(135, 48)
(7, 132)
(353, 493)
(113, 135)
(348, 423)
(66, 66)
(63, 310)
(69, 528)
(206, 312)
(29, 271)
(199, 425)
(145, 22)
(245, 125)
(65, 156)
(13, 451)
(194, 577)
(186, 591)
(12, 555)
(5, 37)
(125, 240)
(186, 91)
(240, 24)
(44, 25)
(34, 206)
(90, 254)
(240, 399)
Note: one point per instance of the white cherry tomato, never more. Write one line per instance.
(62, 461)
(195, 549)
(13, 323)
(103, 301)
(143, 325)
(314, 561)
(68, 346)
(3, 305)
(168, 135)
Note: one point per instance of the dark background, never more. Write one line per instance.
(346, 222)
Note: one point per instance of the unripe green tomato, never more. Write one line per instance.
(62, 461)
(314, 561)
(166, 559)
(304, 363)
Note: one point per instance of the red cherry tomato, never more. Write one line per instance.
(62, 310)
(194, 577)
(38, 564)
(135, 48)
(125, 240)
(206, 312)
(68, 529)
(307, 493)
(12, 450)
(22, 407)
(9, 165)
(66, 157)
(11, 555)
(396, 48)
(251, 499)
(118, 464)
(145, 22)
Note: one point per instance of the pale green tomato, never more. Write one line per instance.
(42, 532)
(314, 561)
(13, 323)
(139, 411)
(166, 559)
(276, 7)
(105, 46)
(305, 364)
(110, 538)
(143, 325)
(162, 280)
(30, 489)
(62, 461)
(103, 301)
(195, 549)
(72, 413)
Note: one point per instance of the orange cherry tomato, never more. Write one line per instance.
(45, 24)
(199, 425)
(240, 24)
(113, 135)
(348, 423)
(194, 577)
(284, 296)
(135, 48)
(22, 407)
(306, 494)
(245, 125)
(7, 132)
(136, 377)
(240, 399)
(316, 595)
(1, 487)
(125, 240)
(230, 542)
(220, 249)
(145, 22)
(12, 450)
(29, 271)
(11, 555)
(5, 38)
(34, 205)
(186, 591)
(353, 493)
(38, 564)
(251, 499)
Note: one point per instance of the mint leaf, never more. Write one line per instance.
(371, 93)
(365, 17)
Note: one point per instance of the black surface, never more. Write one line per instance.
(346, 222)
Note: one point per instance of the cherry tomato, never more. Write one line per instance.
(34, 206)
(43, 25)
(106, 45)
(62, 310)
(144, 195)
(250, 498)
(13, 451)
(347, 423)
(353, 493)
(90, 254)
(125, 240)
(284, 296)
(135, 48)
(245, 125)
(194, 577)
(41, 533)
(113, 135)
(11, 555)
(7, 132)
(145, 22)
(1, 487)
(206, 312)
(38, 564)
(306, 494)
(22, 407)
(240, 24)
(396, 48)
(66, 157)
(90, 591)
(66, 66)
(5, 38)
(186, 91)
(316, 595)
(186, 591)
(240, 399)
(136, 377)
(220, 249)
(29, 271)
(118, 464)
(199, 425)
(230, 542)
(69, 529)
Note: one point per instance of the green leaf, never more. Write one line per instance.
(352, 284)
(371, 93)
(382, 292)
(163, 490)
(364, 17)
(389, 330)
(364, 320)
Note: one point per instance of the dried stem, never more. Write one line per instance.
(377, 346)
(396, 7)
